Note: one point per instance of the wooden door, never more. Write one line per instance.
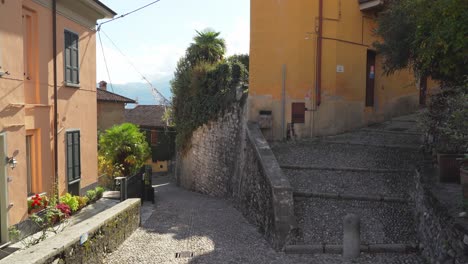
(370, 78)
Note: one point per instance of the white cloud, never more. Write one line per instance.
(238, 41)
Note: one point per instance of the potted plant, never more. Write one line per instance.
(37, 203)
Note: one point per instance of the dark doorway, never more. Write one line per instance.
(370, 77)
(422, 90)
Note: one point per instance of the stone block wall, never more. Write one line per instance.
(443, 236)
(209, 164)
(105, 232)
(231, 159)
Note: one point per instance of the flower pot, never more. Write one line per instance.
(464, 181)
(449, 167)
(36, 210)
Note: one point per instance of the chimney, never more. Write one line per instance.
(103, 85)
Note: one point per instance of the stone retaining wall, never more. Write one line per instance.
(443, 237)
(231, 159)
(105, 232)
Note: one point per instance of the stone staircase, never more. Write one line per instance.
(368, 172)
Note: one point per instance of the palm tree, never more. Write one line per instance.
(208, 47)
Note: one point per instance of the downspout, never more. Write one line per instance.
(318, 79)
(54, 54)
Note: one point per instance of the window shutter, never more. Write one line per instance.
(73, 156)
(72, 74)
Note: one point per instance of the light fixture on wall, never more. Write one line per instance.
(11, 161)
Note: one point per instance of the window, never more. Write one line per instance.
(72, 71)
(154, 137)
(73, 162)
(29, 165)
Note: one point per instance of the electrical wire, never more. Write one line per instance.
(105, 61)
(126, 14)
(155, 91)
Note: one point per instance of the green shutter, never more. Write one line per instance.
(71, 60)
(73, 156)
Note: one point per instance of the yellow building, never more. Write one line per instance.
(312, 63)
(32, 68)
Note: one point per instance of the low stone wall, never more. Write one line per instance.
(443, 236)
(231, 159)
(264, 194)
(105, 232)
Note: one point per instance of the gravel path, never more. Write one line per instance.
(215, 232)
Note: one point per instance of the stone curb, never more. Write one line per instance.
(413, 147)
(298, 167)
(338, 249)
(340, 196)
(390, 132)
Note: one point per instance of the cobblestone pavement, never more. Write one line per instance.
(215, 232)
(392, 147)
(351, 182)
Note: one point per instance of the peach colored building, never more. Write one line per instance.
(312, 63)
(28, 80)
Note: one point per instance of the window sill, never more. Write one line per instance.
(73, 85)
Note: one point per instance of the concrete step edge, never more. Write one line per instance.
(299, 167)
(343, 196)
(413, 147)
(338, 249)
(390, 132)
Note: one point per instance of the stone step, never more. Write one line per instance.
(371, 138)
(321, 221)
(338, 249)
(394, 184)
(398, 125)
(304, 153)
(351, 197)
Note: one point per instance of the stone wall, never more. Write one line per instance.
(231, 159)
(443, 236)
(209, 165)
(105, 232)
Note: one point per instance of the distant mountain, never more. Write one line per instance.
(141, 92)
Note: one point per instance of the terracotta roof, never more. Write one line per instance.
(103, 95)
(146, 115)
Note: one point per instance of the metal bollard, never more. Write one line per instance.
(351, 236)
(122, 183)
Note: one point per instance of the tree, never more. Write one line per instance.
(124, 146)
(427, 35)
(204, 84)
(207, 47)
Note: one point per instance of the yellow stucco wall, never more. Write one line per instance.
(24, 114)
(284, 33)
(159, 166)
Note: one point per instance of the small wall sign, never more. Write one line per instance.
(83, 238)
(339, 68)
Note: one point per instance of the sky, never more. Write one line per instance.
(153, 39)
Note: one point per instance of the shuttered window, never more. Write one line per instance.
(72, 71)
(73, 156)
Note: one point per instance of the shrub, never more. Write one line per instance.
(99, 191)
(71, 201)
(64, 209)
(91, 194)
(82, 201)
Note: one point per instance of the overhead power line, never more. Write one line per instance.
(126, 14)
(105, 61)
(154, 91)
